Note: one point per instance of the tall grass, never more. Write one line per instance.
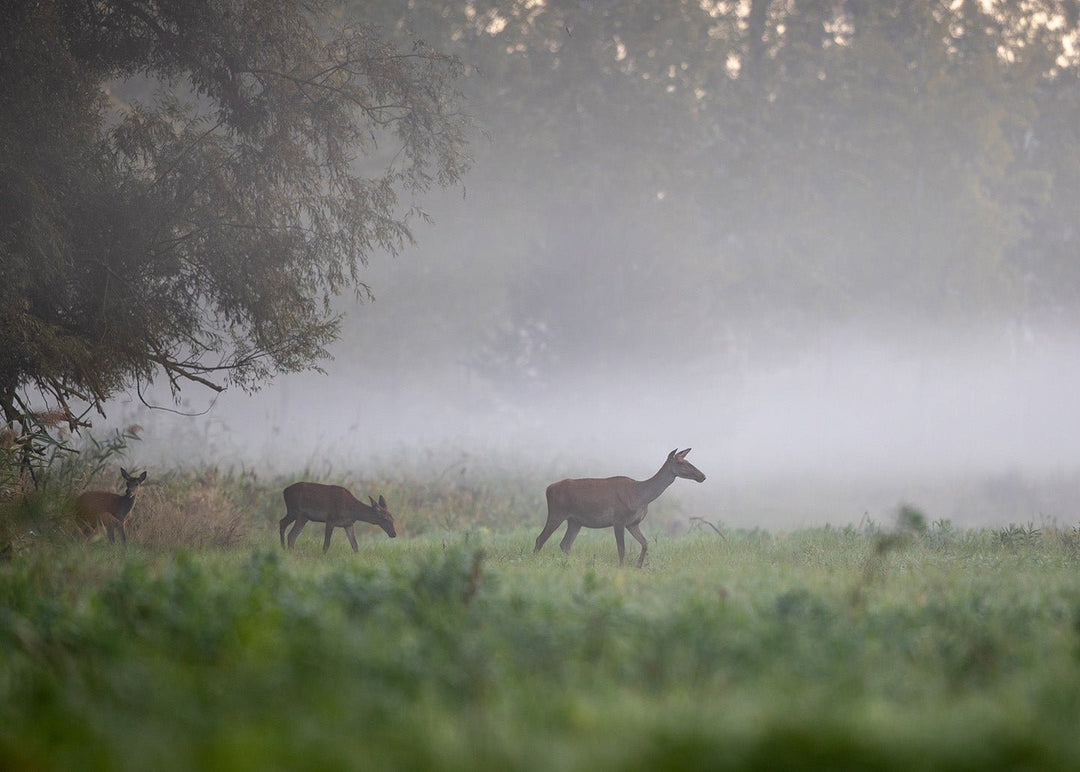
(204, 645)
(174, 513)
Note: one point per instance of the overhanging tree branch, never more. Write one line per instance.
(162, 245)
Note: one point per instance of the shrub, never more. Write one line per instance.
(175, 513)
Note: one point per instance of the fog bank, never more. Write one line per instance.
(846, 431)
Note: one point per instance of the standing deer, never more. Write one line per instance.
(617, 502)
(333, 505)
(94, 508)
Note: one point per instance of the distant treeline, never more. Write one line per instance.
(691, 179)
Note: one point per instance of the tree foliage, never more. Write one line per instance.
(757, 172)
(200, 229)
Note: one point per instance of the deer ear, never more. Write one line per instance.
(672, 453)
(373, 502)
(683, 453)
(142, 476)
(382, 501)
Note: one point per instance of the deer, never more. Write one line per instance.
(94, 508)
(613, 502)
(333, 505)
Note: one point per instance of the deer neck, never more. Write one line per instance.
(127, 501)
(649, 490)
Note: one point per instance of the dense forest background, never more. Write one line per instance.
(722, 181)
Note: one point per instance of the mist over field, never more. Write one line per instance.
(831, 248)
(980, 433)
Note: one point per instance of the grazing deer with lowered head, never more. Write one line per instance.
(94, 508)
(333, 505)
(617, 502)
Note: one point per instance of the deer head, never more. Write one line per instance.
(680, 467)
(132, 481)
(382, 517)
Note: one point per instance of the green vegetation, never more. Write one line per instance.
(455, 647)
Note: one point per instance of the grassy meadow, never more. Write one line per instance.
(203, 645)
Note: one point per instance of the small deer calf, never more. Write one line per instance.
(96, 508)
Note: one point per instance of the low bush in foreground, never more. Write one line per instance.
(816, 648)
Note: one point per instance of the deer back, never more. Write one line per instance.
(594, 499)
(320, 502)
(95, 507)
(104, 502)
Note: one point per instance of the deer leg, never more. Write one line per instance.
(112, 525)
(553, 522)
(352, 537)
(619, 542)
(567, 542)
(298, 526)
(329, 533)
(123, 533)
(283, 524)
(635, 531)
